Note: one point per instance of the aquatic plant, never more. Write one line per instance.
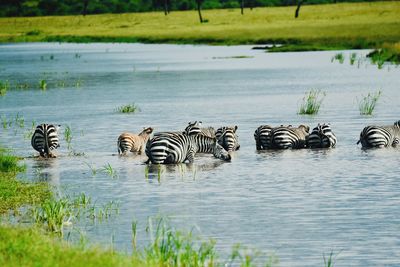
(311, 102)
(43, 84)
(353, 58)
(68, 136)
(54, 214)
(19, 120)
(339, 57)
(134, 235)
(110, 170)
(130, 108)
(328, 262)
(4, 86)
(5, 123)
(367, 103)
(92, 168)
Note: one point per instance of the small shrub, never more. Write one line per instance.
(311, 102)
(367, 104)
(131, 108)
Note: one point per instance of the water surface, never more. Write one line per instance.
(296, 205)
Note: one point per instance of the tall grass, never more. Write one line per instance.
(368, 103)
(311, 102)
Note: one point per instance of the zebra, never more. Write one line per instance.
(195, 128)
(173, 147)
(380, 136)
(133, 142)
(285, 137)
(45, 139)
(228, 138)
(262, 135)
(322, 137)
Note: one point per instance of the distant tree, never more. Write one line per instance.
(299, 3)
(85, 6)
(241, 6)
(199, 2)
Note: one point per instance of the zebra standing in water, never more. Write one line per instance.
(133, 142)
(380, 136)
(228, 138)
(285, 137)
(262, 135)
(172, 147)
(45, 139)
(321, 137)
(195, 128)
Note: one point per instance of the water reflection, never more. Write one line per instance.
(46, 170)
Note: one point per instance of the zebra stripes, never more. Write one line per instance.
(262, 136)
(170, 148)
(380, 136)
(321, 137)
(228, 138)
(195, 128)
(45, 139)
(285, 137)
(133, 142)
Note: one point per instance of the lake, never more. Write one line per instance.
(294, 205)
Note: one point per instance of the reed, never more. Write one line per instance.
(43, 84)
(4, 87)
(312, 102)
(368, 103)
(130, 108)
(338, 57)
(68, 136)
(108, 169)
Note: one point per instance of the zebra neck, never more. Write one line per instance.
(203, 143)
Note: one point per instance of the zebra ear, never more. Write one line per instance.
(149, 130)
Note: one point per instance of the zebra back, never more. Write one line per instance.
(380, 136)
(169, 148)
(285, 137)
(45, 139)
(228, 138)
(262, 136)
(195, 128)
(322, 137)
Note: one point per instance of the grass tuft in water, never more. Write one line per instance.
(353, 58)
(43, 84)
(68, 136)
(108, 169)
(367, 104)
(338, 57)
(311, 102)
(4, 86)
(130, 108)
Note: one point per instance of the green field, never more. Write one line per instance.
(345, 25)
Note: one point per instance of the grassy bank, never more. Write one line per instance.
(332, 26)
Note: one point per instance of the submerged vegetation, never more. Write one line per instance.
(311, 102)
(343, 25)
(367, 103)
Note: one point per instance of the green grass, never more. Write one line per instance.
(130, 108)
(388, 53)
(330, 26)
(311, 102)
(15, 193)
(4, 86)
(367, 103)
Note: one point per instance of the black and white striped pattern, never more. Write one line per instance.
(195, 128)
(286, 137)
(171, 147)
(227, 138)
(262, 136)
(380, 136)
(322, 137)
(45, 139)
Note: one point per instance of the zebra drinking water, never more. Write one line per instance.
(380, 136)
(322, 137)
(171, 147)
(45, 139)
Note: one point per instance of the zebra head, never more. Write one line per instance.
(193, 128)
(147, 131)
(397, 124)
(220, 152)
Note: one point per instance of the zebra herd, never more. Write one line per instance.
(181, 146)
